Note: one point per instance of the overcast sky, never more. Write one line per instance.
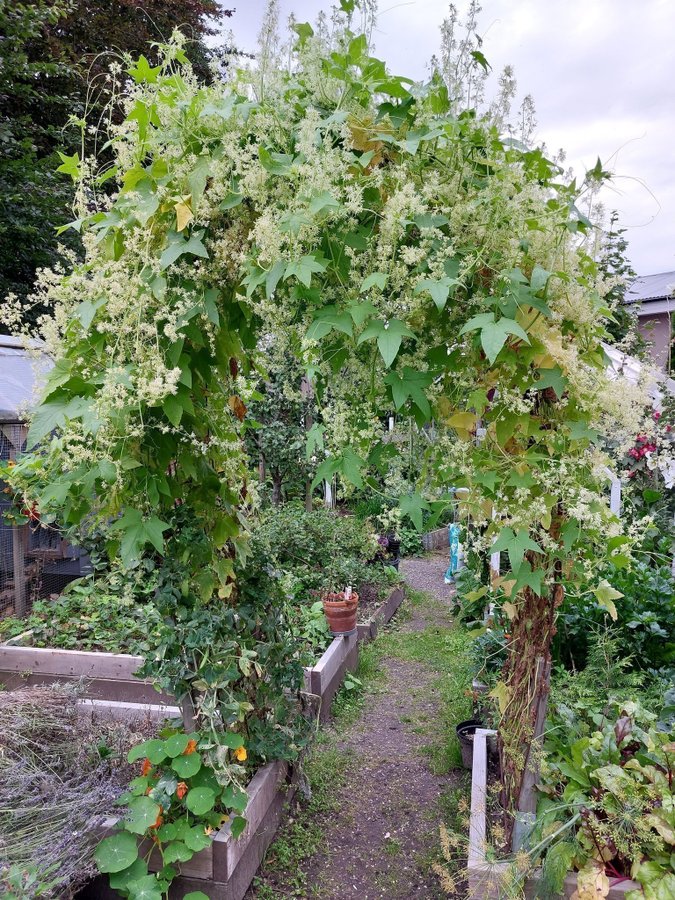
(602, 75)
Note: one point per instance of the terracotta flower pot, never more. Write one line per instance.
(341, 612)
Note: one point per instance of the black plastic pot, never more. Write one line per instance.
(465, 733)
(393, 547)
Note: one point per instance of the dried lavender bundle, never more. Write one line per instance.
(59, 777)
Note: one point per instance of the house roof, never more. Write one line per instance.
(21, 376)
(646, 288)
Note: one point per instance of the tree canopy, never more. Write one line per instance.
(56, 56)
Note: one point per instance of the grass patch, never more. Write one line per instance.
(444, 648)
(301, 836)
(350, 699)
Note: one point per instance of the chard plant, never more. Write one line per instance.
(421, 262)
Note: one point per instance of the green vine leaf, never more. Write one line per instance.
(389, 336)
(137, 532)
(178, 246)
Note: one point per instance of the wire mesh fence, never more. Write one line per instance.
(35, 561)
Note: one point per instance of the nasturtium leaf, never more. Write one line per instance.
(145, 888)
(116, 853)
(176, 744)
(200, 800)
(187, 766)
(142, 813)
(120, 880)
(196, 895)
(235, 798)
(231, 739)
(195, 838)
(177, 851)
(152, 749)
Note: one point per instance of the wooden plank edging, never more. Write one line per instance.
(367, 631)
(487, 879)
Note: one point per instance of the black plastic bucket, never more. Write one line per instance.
(465, 733)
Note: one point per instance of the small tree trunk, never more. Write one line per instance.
(261, 469)
(276, 488)
(524, 674)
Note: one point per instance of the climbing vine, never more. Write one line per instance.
(422, 264)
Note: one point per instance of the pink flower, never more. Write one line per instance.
(634, 453)
(657, 416)
(631, 474)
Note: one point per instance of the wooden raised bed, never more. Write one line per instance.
(367, 631)
(225, 869)
(489, 880)
(436, 540)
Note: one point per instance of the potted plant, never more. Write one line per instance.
(340, 610)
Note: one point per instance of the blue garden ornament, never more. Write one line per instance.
(454, 530)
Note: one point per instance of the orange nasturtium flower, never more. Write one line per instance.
(158, 820)
(146, 767)
(191, 747)
(241, 754)
(181, 790)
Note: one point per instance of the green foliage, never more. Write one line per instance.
(56, 56)
(277, 442)
(177, 802)
(112, 615)
(320, 550)
(607, 787)
(644, 625)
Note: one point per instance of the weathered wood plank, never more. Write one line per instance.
(78, 663)
(367, 631)
(136, 691)
(123, 711)
(263, 788)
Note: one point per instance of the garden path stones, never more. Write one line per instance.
(384, 836)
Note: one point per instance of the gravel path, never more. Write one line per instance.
(381, 841)
(425, 573)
